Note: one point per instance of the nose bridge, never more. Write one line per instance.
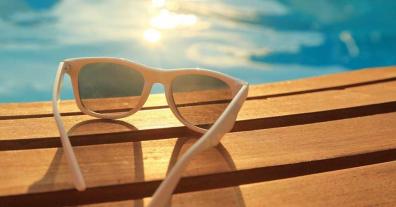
(160, 76)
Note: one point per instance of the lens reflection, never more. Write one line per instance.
(109, 88)
(200, 99)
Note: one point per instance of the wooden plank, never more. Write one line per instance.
(372, 185)
(308, 85)
(303, 108)
(259, 155)
(292, 130)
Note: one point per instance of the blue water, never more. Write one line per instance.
(258, 41)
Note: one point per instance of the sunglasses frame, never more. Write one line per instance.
(210, 138)
(151, 76)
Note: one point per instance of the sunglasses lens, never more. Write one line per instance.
(200, 99)
(108, 88)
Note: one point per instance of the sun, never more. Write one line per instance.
(152, 35)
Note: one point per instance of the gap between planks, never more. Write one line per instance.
(372, 185)
(255, 114)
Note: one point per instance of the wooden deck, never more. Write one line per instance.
(323, 141)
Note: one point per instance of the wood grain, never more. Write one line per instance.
(373, 185)
(321, 141)
(148, 161)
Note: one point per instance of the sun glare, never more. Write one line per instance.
(158, 3)
(170, 20)
(152, 35)
(166, 20)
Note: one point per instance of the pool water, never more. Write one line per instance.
(258, 41)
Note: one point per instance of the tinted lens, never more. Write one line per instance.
(109, 88)
(200, 99)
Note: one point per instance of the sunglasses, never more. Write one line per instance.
(110, 88)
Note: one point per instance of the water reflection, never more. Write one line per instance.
(164, 19)
(259, 41)
(171, 20)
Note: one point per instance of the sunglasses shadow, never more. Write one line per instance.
(220, 159)
(129, 156)
(58, 171)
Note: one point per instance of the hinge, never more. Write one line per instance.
(66, 67)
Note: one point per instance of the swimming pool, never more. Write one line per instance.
(258, 41)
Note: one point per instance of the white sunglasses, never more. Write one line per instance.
(205, 101)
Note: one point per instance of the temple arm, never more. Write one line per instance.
(78, 179)
(210, 139)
